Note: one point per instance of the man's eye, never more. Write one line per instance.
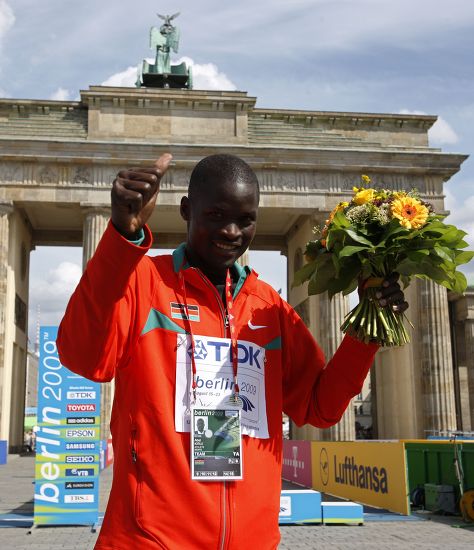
(216, 215)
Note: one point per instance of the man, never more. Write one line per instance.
(196, 328)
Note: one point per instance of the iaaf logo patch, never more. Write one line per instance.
(180, 311)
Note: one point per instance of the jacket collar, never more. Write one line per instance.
(180, 262)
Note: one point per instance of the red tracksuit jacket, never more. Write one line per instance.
(120, 323)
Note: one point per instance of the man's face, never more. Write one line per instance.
(200, 424)
(221, 225)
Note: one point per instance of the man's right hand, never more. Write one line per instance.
(134, 194)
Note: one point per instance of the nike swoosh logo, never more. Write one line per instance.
(255, 327)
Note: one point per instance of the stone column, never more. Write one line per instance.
(6, 208)
(436, 359)
(95, 222)
(332, 313)
(469, 372)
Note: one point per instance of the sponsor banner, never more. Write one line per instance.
(372, 473)
(297, 465)
(67, 442)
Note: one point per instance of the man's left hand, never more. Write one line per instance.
(388, 293)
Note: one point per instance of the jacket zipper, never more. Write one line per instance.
(224, 519)
(225, 320)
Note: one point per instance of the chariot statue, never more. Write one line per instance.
(162, 74)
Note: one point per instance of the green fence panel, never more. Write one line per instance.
(433, 462)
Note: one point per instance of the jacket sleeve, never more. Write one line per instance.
(107, 311)
(315, 392)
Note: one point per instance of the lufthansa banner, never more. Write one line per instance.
(67, 442)
(372, 473)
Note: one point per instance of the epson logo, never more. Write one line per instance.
(80, 433)
(81, 420)
(217, 351)
(81, 394)
(80, 459)
(80, 407)
(80, 472)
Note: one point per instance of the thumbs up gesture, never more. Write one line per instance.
(134, 194)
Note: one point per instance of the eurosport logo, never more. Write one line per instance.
(80, 407)
(79, 472)
(81, 394)
(81, 433)
(79, 485)
(80, 459)
(218, 351)
(68, 499)
(80, 420)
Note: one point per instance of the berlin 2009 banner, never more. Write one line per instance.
(67, 442)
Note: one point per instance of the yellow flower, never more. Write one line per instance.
(363, 196)
(409, 212)
(340, 206)
(365, 179)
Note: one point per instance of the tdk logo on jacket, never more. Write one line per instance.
(219, 351)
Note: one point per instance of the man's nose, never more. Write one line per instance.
(231, 230)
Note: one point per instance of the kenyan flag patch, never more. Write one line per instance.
(179, 311)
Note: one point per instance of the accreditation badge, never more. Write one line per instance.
(216, 444)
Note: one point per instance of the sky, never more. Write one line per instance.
(376, 56)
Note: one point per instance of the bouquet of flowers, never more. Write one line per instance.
(375, 234)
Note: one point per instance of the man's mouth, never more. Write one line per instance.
(229, 247)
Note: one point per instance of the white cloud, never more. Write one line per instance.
(126, 78)
(7, 18)
(61, 94)
(461, 216)
(440, 133)
(205, 76)
(52, 292)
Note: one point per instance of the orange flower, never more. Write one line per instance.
(410, 212)
(323, 242)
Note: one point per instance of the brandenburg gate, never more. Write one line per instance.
(57, 162)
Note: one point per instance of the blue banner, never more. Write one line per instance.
(67, 441)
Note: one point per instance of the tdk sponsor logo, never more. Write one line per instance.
(80, 459)
(78, 498)
(79, 485)
(80, 407)
(80, 472)
(220, 351)
(80, 446)
(81, 394)
(81, 420)
(80, 433)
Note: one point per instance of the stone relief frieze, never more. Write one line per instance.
(82, 175)
(11, 172)
(47, 174)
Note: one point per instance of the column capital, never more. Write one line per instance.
(95, 208)
(6, 207)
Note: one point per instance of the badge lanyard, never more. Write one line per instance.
(233, 339)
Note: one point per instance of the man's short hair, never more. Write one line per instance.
(220, 168)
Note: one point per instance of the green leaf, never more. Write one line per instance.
(304, 274)
(357, 237)
(322, 276)
(350, 250)
(463, 257)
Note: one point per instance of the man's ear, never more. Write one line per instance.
(185, 208)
